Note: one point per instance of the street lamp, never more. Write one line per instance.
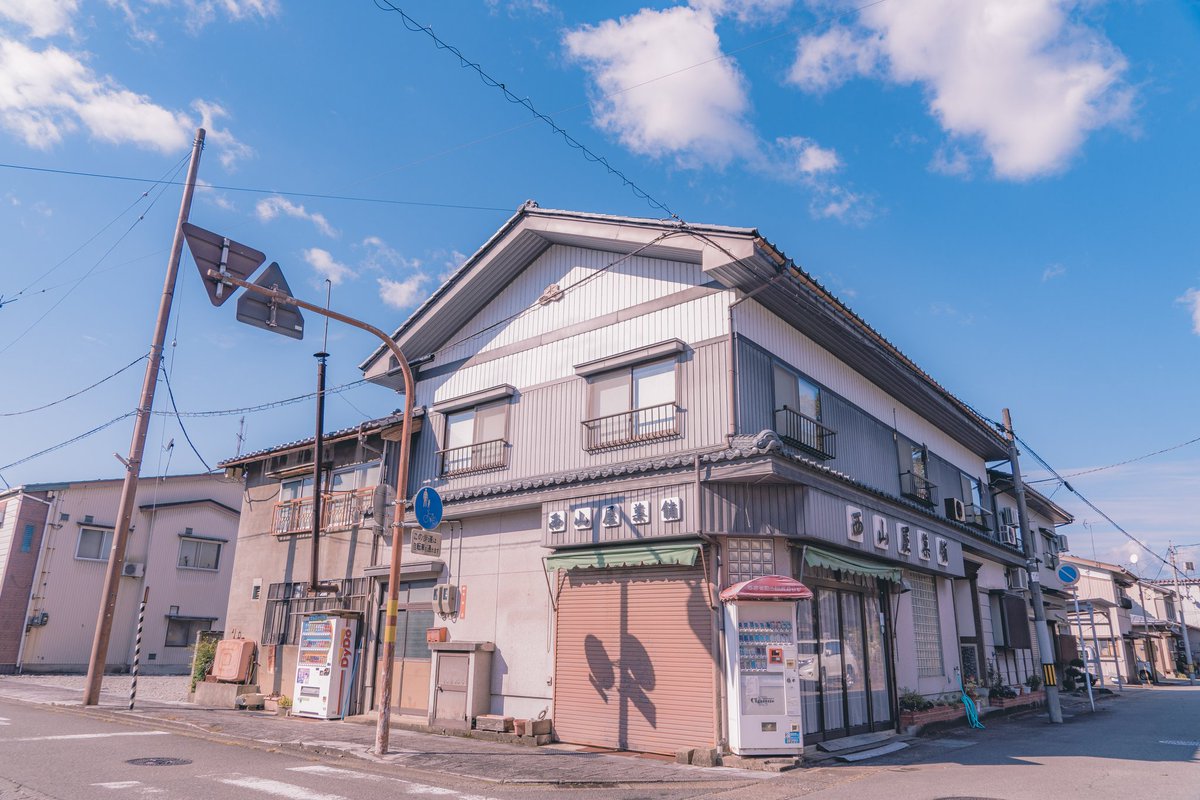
(223, 264)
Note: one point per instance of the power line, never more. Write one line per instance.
(171, 396)
(464, 62)
(1122, 463)
(63, 400)
(61, 445)
(228, 412)
(253, 190)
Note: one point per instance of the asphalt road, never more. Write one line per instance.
(1145, 744)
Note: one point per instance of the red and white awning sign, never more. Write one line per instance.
(768, 587)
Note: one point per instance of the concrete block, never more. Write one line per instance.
(538, 727)
(221, 695)
(706, 757)
(494, 722)
(685, 755)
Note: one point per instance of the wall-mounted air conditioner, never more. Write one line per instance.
(445, 598)
(955, 509)
(1062, 543)
(1018, 579)
(1008, 534)
(132, 569)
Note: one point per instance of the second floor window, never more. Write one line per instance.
(475, 439)
(914, 472)
(798, 414)
(94, 544)
(199, 554)
(631, 405)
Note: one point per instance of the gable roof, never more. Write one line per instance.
(737, 258)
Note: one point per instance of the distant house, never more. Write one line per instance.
(55, 540)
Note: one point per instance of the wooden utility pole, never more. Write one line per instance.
(133, 465)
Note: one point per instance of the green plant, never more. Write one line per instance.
(1003, 692)
(1034, 682)
(206, 653)
(912, 700)
(284, 701)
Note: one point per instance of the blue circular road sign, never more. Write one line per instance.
(427, 505)
(1068, 573)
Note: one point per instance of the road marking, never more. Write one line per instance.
(4, 721)
(1180, 742)
(130, 785)
(85, 736)
(277, 788)
(409, 786)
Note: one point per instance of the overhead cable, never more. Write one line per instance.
(171, 396)
(72, 440)
(75, 394)
(1121, 463)
(228, 412)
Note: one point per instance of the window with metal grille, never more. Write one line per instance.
(926, 623)
(749, 558)
(286, 602)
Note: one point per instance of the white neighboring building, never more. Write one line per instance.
(181, 547)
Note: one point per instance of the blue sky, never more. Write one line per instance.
(1007, 190)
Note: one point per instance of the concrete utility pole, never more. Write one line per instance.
(1045, 648)
(116, 556)
(1187, 645)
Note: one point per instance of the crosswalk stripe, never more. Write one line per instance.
(410, 787)
(118, 784)
(4, 721)
(277, 788)
(84, 736)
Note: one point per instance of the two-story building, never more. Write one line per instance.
(625, 417)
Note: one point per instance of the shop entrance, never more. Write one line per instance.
(410, 672)
(845, 660)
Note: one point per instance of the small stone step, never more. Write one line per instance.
(494, 723)
(863, 755)
(852, 743)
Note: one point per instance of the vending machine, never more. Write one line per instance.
(325, 664)
(765, 709)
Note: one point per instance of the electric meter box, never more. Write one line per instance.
(325, 664)
(445, 598)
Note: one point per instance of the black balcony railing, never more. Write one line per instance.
(478, 457)
(805, 433)
(915, 487)
(979, 517)
(631, 427)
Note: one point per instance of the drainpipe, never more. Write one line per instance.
(51, 505)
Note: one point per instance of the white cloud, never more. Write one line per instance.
(1191, 298)
(401, 294)
(949, 160)
(271, 207)
(231, 150)
(746, 10)
(43, 18)
(323, 262)
(831, 201)
(807, 158)
(202, 12)
(1053, 271)
(1027, 80)
(45, 95)
(696, 114)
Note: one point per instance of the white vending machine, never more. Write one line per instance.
(765, 709)
(325, 664)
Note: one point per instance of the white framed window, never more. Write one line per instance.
(475, 438)
(360, 476)
(94, 544)
(927, 627)
(199, 554)
(633, 403)
(296, 489)
(795, 393)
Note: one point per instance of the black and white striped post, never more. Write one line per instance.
(137, 648)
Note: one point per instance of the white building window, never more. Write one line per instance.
(182, 631)
(475, 439)
(633, 404)
(94, 544)
(927, 626)
(749, 558)
(199, 554)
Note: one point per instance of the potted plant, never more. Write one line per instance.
(283, 705)
(1034, 682)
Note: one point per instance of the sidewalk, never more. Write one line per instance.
(471, 758)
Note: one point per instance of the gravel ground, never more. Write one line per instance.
(164, 688)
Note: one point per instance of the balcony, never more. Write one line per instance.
(805, 433)
(979, 517)
(472, 458)
(916, 487)
(631, 427)
(339, 510)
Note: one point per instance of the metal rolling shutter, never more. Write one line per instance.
(633, 659)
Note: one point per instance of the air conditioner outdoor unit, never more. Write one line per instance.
(1018, 579)
(445, 598)
(1062, 543)
(132, 569)
(1008, 534)
(955, 509)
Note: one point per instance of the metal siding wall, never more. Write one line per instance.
(775, 336)
(755, 402)
(948, 480)
(741, 509)
(633, 664)
(866, 447)
(545, 427)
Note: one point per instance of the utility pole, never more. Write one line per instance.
(116, 556)
(314, 585)
(1045, 648)
(1187, 645)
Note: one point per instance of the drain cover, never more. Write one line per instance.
(159, 761)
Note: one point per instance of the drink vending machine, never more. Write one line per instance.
(325, 664)
(765, 710)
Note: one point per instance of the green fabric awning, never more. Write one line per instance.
(641, 555)
(816, 557)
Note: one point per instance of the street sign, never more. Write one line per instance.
(426, 543)
(263, 312)
(211, 250)
(427, 505)
(1068, 574)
